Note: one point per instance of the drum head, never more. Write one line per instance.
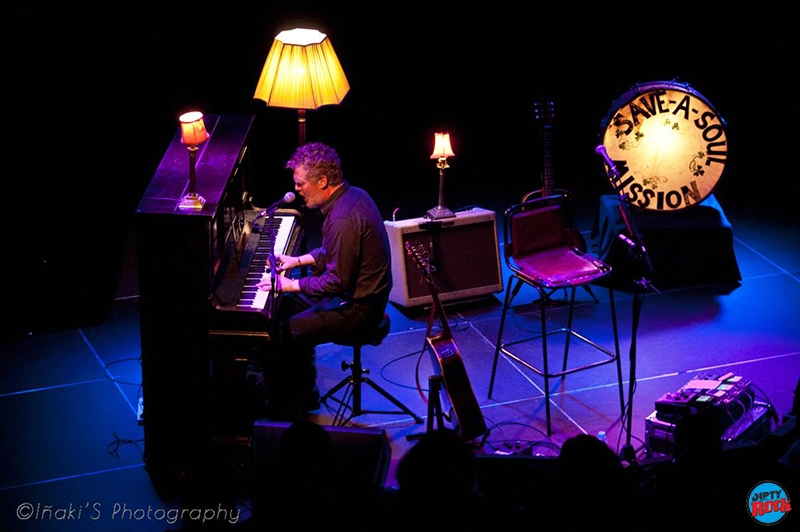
(668, 145)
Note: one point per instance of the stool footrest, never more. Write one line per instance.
(349, 403)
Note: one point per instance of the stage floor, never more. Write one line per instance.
(69, 399)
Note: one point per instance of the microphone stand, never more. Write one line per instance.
(640, 286)
(271, 298)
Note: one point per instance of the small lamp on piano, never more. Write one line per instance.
(441, 151)
(193, 133)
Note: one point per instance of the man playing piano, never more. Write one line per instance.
(347, 290)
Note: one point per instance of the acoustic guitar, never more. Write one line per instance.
(446, 358)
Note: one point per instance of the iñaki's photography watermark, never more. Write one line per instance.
(121, 511)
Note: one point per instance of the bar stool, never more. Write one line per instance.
(540, 251)
(350, 401)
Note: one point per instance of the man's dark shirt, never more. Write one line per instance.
(354, 251)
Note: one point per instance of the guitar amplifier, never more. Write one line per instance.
(463, 250)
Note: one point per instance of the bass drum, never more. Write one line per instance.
(668, 145)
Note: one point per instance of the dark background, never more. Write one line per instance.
(94, 96)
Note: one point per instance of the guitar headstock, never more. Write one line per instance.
(422, 259)
(544, 112)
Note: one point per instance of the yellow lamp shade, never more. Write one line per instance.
(193, 129)
(441, 146)
(301, 72)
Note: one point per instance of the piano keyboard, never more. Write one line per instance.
(250, 296)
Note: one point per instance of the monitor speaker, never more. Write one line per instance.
(463, 250)
(361, 456)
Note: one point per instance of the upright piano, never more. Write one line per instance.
(197, 268)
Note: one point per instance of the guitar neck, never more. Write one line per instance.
(438, 308)
(548, 181)
(544, 114)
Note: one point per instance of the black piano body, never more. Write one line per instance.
(191, 262)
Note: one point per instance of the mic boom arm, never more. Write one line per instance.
(635, 241)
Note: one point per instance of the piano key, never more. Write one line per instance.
(240, 305)
(259, 268)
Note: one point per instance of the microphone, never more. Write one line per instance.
(601, 151)
(287, 198)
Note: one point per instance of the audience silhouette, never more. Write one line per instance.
(704, 483)
(790, 460)
(299, 485)
(437, 486)
(590, 486)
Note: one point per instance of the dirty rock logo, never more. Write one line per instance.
(768, 503)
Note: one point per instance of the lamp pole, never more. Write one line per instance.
(440, 211)
(301, 127)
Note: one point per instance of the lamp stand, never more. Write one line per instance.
(440, 211)
(192, 200)
(301, 127)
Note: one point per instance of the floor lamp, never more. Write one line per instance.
(301, 72)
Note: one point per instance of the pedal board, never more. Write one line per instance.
(730, 394)
(677, 404)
